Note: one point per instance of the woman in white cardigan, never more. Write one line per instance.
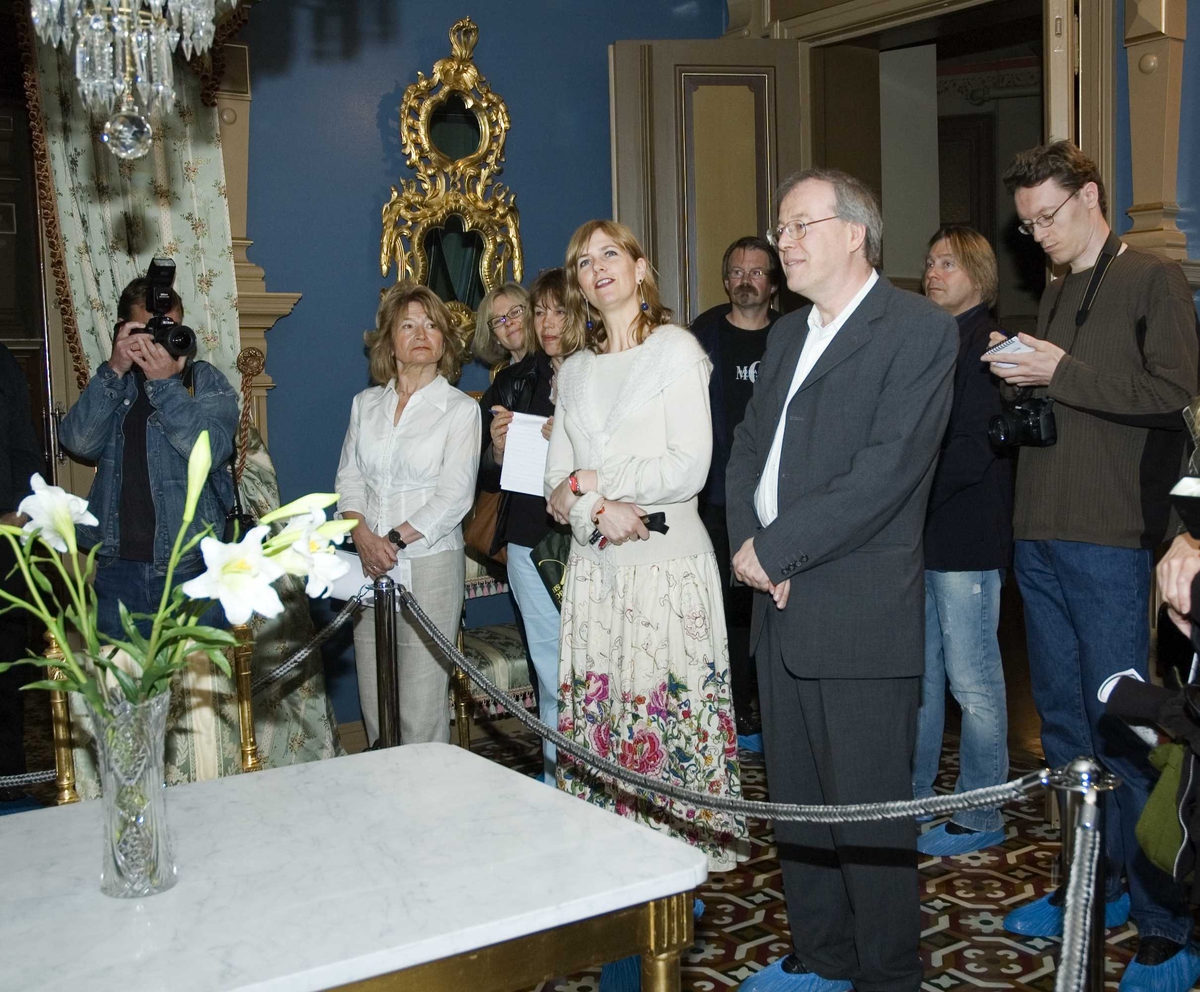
(643, 660)
(408, 469)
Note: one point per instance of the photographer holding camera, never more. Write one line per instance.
(1101, 435)
(138, 419)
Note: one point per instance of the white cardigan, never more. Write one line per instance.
(653, 448)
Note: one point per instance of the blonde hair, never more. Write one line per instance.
(484, 344)
(974, 255)
(576, 334)
(392, 305)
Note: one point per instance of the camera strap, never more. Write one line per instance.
(1111, 249)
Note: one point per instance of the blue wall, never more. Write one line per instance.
(324, 149)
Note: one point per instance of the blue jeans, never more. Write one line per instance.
(541, 619)
(135, 584)
(1087, 618)
(962, 610)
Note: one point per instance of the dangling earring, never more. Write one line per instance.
(641, 296)
(588, 323)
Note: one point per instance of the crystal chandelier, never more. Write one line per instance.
(123, 54)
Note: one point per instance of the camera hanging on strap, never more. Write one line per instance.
(1029, 421)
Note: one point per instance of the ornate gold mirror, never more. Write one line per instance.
(453, 227)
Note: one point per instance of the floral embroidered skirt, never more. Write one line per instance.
(644, 681)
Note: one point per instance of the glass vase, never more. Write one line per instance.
(136, 859)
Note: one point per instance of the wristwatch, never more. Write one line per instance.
(393, 535)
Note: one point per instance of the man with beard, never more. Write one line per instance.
(735, 336)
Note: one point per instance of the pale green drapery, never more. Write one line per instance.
(115, 216)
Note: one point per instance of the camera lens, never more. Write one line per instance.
(180, 340)
(999, 431)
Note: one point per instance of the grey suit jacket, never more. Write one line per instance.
(859, 451)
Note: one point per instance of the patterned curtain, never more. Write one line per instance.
(116, 215)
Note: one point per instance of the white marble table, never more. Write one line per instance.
(425, 858)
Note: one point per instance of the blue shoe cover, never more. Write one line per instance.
(1176, 974)
(697, 910)
(751, 742)
(774, 979)
(940, 842)
(1042, 919)
(622, 976)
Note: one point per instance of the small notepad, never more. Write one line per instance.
(1009, 346)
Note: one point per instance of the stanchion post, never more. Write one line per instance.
(385, 662)
(243, 655)
(60, 722)
(1081, 787)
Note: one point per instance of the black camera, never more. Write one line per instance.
(178, 339)
(1029, 422)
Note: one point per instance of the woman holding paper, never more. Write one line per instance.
(408, 470)
(521, 521)
(643, 658)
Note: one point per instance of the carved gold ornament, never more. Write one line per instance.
(454, 192)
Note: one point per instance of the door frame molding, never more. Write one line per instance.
(1090, 48)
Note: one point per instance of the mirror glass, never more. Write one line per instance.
(454, 253)
(454, 128)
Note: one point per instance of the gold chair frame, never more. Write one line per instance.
(444, 187)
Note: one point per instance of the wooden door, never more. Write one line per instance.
(702, 133)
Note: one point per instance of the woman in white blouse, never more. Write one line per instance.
(408, 468)
(643, 658)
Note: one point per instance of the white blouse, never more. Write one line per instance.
(420, 470)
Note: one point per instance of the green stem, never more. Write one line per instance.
(79, 599)
(156, 630)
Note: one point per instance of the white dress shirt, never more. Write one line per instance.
(420, 470)
(766, 496)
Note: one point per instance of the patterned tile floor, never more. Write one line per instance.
(963, 900)
(744, 927)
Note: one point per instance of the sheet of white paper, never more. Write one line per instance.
(349, 584)
(524, 468)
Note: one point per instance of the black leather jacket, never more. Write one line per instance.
(521, 388)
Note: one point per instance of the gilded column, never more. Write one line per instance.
(60, 721)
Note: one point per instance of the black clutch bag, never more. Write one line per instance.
(550, 559)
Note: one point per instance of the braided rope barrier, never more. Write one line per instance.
(314, 642)
(899, 809)
(27, 778)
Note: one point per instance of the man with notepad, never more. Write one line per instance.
(1114, 363)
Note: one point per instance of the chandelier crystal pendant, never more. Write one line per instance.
(123, 56)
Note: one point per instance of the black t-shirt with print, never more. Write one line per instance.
(741, 351)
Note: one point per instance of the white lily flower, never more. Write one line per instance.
(323, 567)
(54, 512)
(305, 505)
(309, 553)
(240, 576)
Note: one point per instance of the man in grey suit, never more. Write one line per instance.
(827, 485)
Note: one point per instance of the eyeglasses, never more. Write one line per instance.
(504, 318)
(794, 229)
(735, 274)
(1044, 220)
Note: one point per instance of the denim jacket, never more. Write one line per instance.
(92, 431)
